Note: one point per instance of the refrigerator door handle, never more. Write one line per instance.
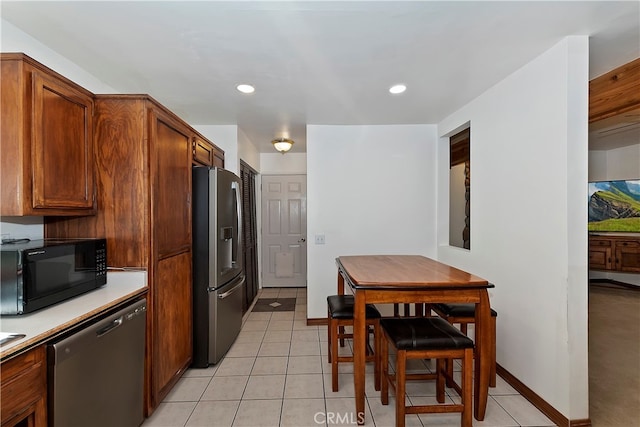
(236, 189)
(232, 290)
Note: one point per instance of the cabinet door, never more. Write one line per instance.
(218, 159)
(172, 323)
(172, 186)
(24, 390)
(62, 150)
(207, 154)
(628, 256)
(202, 152)
(600, 252)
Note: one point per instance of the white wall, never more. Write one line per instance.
(370, 189)
(528, 219)
(29, 227)
(597, 165)
(247, 151)
(283, 164)
(618, 163)
(624, 162)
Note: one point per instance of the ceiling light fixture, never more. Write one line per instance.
(396, 89)
(246, 88)
(282, 144)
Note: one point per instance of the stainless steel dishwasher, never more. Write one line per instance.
(96, 375)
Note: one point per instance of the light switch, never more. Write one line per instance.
(319, 239)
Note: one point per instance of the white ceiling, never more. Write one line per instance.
(318, 62)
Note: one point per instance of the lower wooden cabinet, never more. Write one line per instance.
(24, 389)
(600, 254)
(614, 253)
(172, 319)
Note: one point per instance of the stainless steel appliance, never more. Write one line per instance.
(218, 275)
(96, 375)
(41, 273)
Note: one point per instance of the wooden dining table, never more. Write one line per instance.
(414, 279)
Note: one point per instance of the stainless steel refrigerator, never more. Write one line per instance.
(218, 276)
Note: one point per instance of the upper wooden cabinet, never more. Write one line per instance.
(615, 92)
(207, 154)
(46, 130)
(171, 184)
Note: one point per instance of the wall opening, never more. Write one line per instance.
(460, 189)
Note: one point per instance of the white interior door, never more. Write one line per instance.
(284, 230)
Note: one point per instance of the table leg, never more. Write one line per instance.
(359, 350)
(483, 356)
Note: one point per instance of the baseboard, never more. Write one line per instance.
(317, 322)
(627, 286)
(542, 405)
(580, 423)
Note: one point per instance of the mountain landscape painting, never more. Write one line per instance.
(614, 206)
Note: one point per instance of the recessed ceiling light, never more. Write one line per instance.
(246, 88)
(396, 89)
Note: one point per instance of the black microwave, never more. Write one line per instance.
(41, 273)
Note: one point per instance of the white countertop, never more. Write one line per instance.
(44, 324)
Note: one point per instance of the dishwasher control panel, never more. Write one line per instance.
(136, 312)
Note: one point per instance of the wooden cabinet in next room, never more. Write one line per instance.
(614, 253)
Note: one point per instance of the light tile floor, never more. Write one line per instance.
(277, 374)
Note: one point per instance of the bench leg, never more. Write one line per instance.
(401, 372)
(467, 386)
(376, 355)
(384, 361)
(334, 357)
(441, 367)
(492, 378)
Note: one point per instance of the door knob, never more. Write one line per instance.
(302, 240)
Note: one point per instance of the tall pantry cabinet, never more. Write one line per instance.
(143, 162)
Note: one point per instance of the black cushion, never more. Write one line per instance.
(424, 333)
(341, 307)
(460, 310)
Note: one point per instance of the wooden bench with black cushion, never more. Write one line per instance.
(425, 338)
